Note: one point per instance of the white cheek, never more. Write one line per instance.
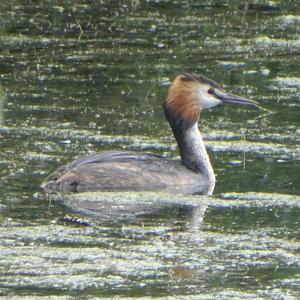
(206, 100)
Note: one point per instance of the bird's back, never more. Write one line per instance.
(120, 171)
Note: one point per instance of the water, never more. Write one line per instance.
(80, 77)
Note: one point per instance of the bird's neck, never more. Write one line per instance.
(193, 152)
(190, 143)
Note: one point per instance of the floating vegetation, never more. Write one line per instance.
(131, 205)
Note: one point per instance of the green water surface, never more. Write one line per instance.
(78, 77)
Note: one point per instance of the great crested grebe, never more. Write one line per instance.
(116, 171)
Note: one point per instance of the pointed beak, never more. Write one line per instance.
(230, 98)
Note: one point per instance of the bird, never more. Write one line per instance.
(187, 96)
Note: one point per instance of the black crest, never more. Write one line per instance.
(200, 78)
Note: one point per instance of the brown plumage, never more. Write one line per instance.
(176, 100)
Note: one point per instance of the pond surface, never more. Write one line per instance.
(80, 77)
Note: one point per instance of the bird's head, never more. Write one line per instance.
(189, 94)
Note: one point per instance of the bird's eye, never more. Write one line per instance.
(211, 91)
